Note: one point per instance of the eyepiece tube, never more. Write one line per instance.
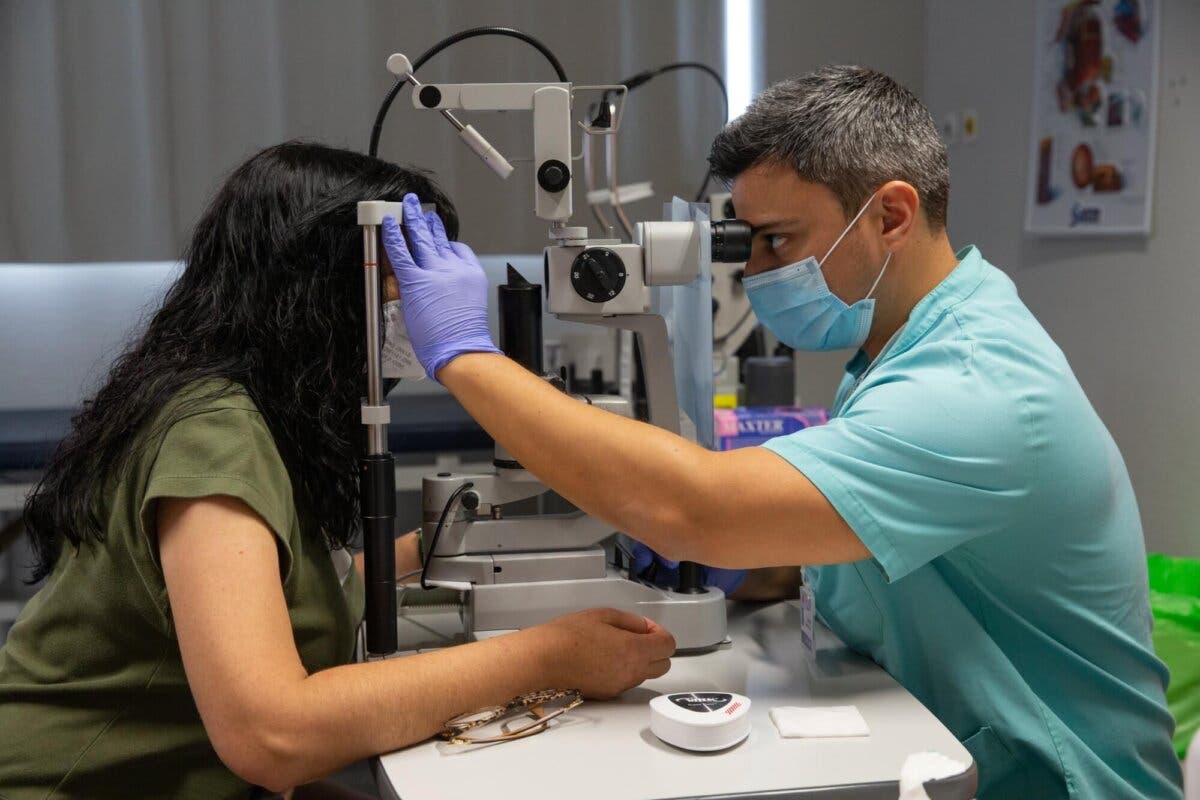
(731, 241)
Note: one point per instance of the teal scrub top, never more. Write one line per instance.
(1007, 589)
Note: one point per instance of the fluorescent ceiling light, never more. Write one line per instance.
(740, 23)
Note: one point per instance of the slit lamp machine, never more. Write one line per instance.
(517, 571)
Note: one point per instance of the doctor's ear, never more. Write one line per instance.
(901, 206)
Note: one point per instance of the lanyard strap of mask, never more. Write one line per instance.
(879, 278)
(848, 228)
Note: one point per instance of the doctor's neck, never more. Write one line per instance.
(920, 265)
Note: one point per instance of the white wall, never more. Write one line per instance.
(62, 325)
(1124, 310)
(84, 315)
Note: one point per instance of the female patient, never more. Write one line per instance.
(194, 632)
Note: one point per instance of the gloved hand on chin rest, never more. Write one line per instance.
(652, 567)
(443, 289)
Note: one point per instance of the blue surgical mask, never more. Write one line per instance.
(397, 357)
(796, 305)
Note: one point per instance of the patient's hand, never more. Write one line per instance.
(602, 651)
(408, 556)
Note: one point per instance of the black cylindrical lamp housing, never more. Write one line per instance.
(520, 313)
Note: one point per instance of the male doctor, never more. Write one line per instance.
(965, 519)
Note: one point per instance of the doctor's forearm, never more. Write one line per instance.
(743, 508)
(634, 476)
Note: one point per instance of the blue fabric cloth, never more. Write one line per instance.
(1007, 589)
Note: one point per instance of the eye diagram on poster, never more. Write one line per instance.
(1094, 106)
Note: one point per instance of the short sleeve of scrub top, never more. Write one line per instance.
(916, 475)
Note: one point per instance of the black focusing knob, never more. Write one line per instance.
(598, 274)
(430, 96)
(470, 501)
(553, 175)
(731, 241)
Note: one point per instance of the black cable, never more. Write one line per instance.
(437, 532)
(641, 78)
(720, 340)
(725, 107)
(469, 33)
(703, 184)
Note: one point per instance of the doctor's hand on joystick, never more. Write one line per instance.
(650, 566)
(443, 288)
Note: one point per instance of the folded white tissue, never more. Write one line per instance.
(795, 722)
(927, 766)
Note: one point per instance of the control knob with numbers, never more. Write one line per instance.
(598, 274)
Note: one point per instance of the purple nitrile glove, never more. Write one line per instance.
(443, 289)
(651, 566)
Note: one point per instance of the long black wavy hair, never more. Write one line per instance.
(271, 300)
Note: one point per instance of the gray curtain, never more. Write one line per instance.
(121, 118)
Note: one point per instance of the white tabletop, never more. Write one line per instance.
(606, 750)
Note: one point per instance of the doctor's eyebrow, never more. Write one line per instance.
(766, 227)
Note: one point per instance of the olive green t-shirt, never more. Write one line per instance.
(94, 701)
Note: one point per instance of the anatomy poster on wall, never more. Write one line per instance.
(1094, 106)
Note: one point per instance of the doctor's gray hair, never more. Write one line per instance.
(849, 128)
